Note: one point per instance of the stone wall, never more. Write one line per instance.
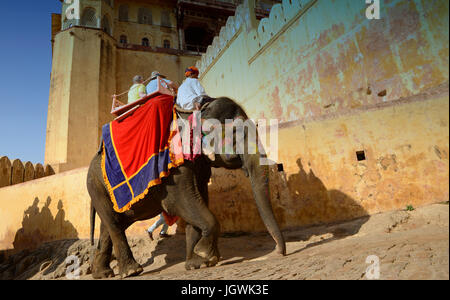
(315, 58)
(362, 107)
(50, 208)
(16, 172)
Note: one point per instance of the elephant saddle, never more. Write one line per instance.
(138, 151)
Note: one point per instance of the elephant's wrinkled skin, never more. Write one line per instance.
(185, 194)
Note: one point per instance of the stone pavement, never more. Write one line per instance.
(409, 245)
(404, 244)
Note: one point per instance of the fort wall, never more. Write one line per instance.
(362, 107)
(50, 208)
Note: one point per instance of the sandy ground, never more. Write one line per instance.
(404, 244)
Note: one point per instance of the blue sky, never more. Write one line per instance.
(25, 67)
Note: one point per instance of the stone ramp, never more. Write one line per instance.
(408, 244)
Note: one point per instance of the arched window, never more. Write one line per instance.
(88, 18)
(106, 25)
(145, 42)
(166, 44)
(123, 39)
(165, 19)
(145, 16)
(123, 13)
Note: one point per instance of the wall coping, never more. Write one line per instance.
(43, 179)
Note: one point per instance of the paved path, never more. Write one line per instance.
(405, 245)
(409, 245)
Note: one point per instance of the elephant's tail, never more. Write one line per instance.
(92, 223)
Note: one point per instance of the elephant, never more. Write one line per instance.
(184, 193)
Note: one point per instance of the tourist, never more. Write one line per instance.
(137, 91)
(163, 232)
(152, 86)
(191, 94)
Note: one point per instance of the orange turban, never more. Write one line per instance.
(191, 70)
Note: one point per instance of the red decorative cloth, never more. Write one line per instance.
(137, 151)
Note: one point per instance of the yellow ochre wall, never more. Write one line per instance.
(322, 180)
(156, 34)
(51, 208)
(338, 83)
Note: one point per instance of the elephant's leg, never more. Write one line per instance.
(193, 261)
(116, 224)
(127, 264)
(202, 231)
(102, 259)
(194, 234)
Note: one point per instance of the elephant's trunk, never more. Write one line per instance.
(259, 177)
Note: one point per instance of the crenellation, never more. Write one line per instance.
(39, 171)
(277, 19)
(18, 172)
(259, 33)
(29, 172)
(264, 30)
(5, 171)
(48, 170)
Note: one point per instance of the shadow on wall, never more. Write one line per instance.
(305, 209)
(298, 199)
(36, 243)
(303, 200)
(40, 226)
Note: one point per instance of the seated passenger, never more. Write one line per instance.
(137, 91)
(191, 94)
(152, 86)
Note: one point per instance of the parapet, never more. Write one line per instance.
(18, 172)
(260, 33)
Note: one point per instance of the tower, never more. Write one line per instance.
(82, 81)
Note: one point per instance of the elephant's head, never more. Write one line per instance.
(223, 109)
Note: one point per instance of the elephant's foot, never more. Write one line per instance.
(281, 250)
(102, 273)
(205, 249)
(197, 262)
(130, 269)
(100, 267)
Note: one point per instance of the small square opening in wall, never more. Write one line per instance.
(280, 167)
(360, 155)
